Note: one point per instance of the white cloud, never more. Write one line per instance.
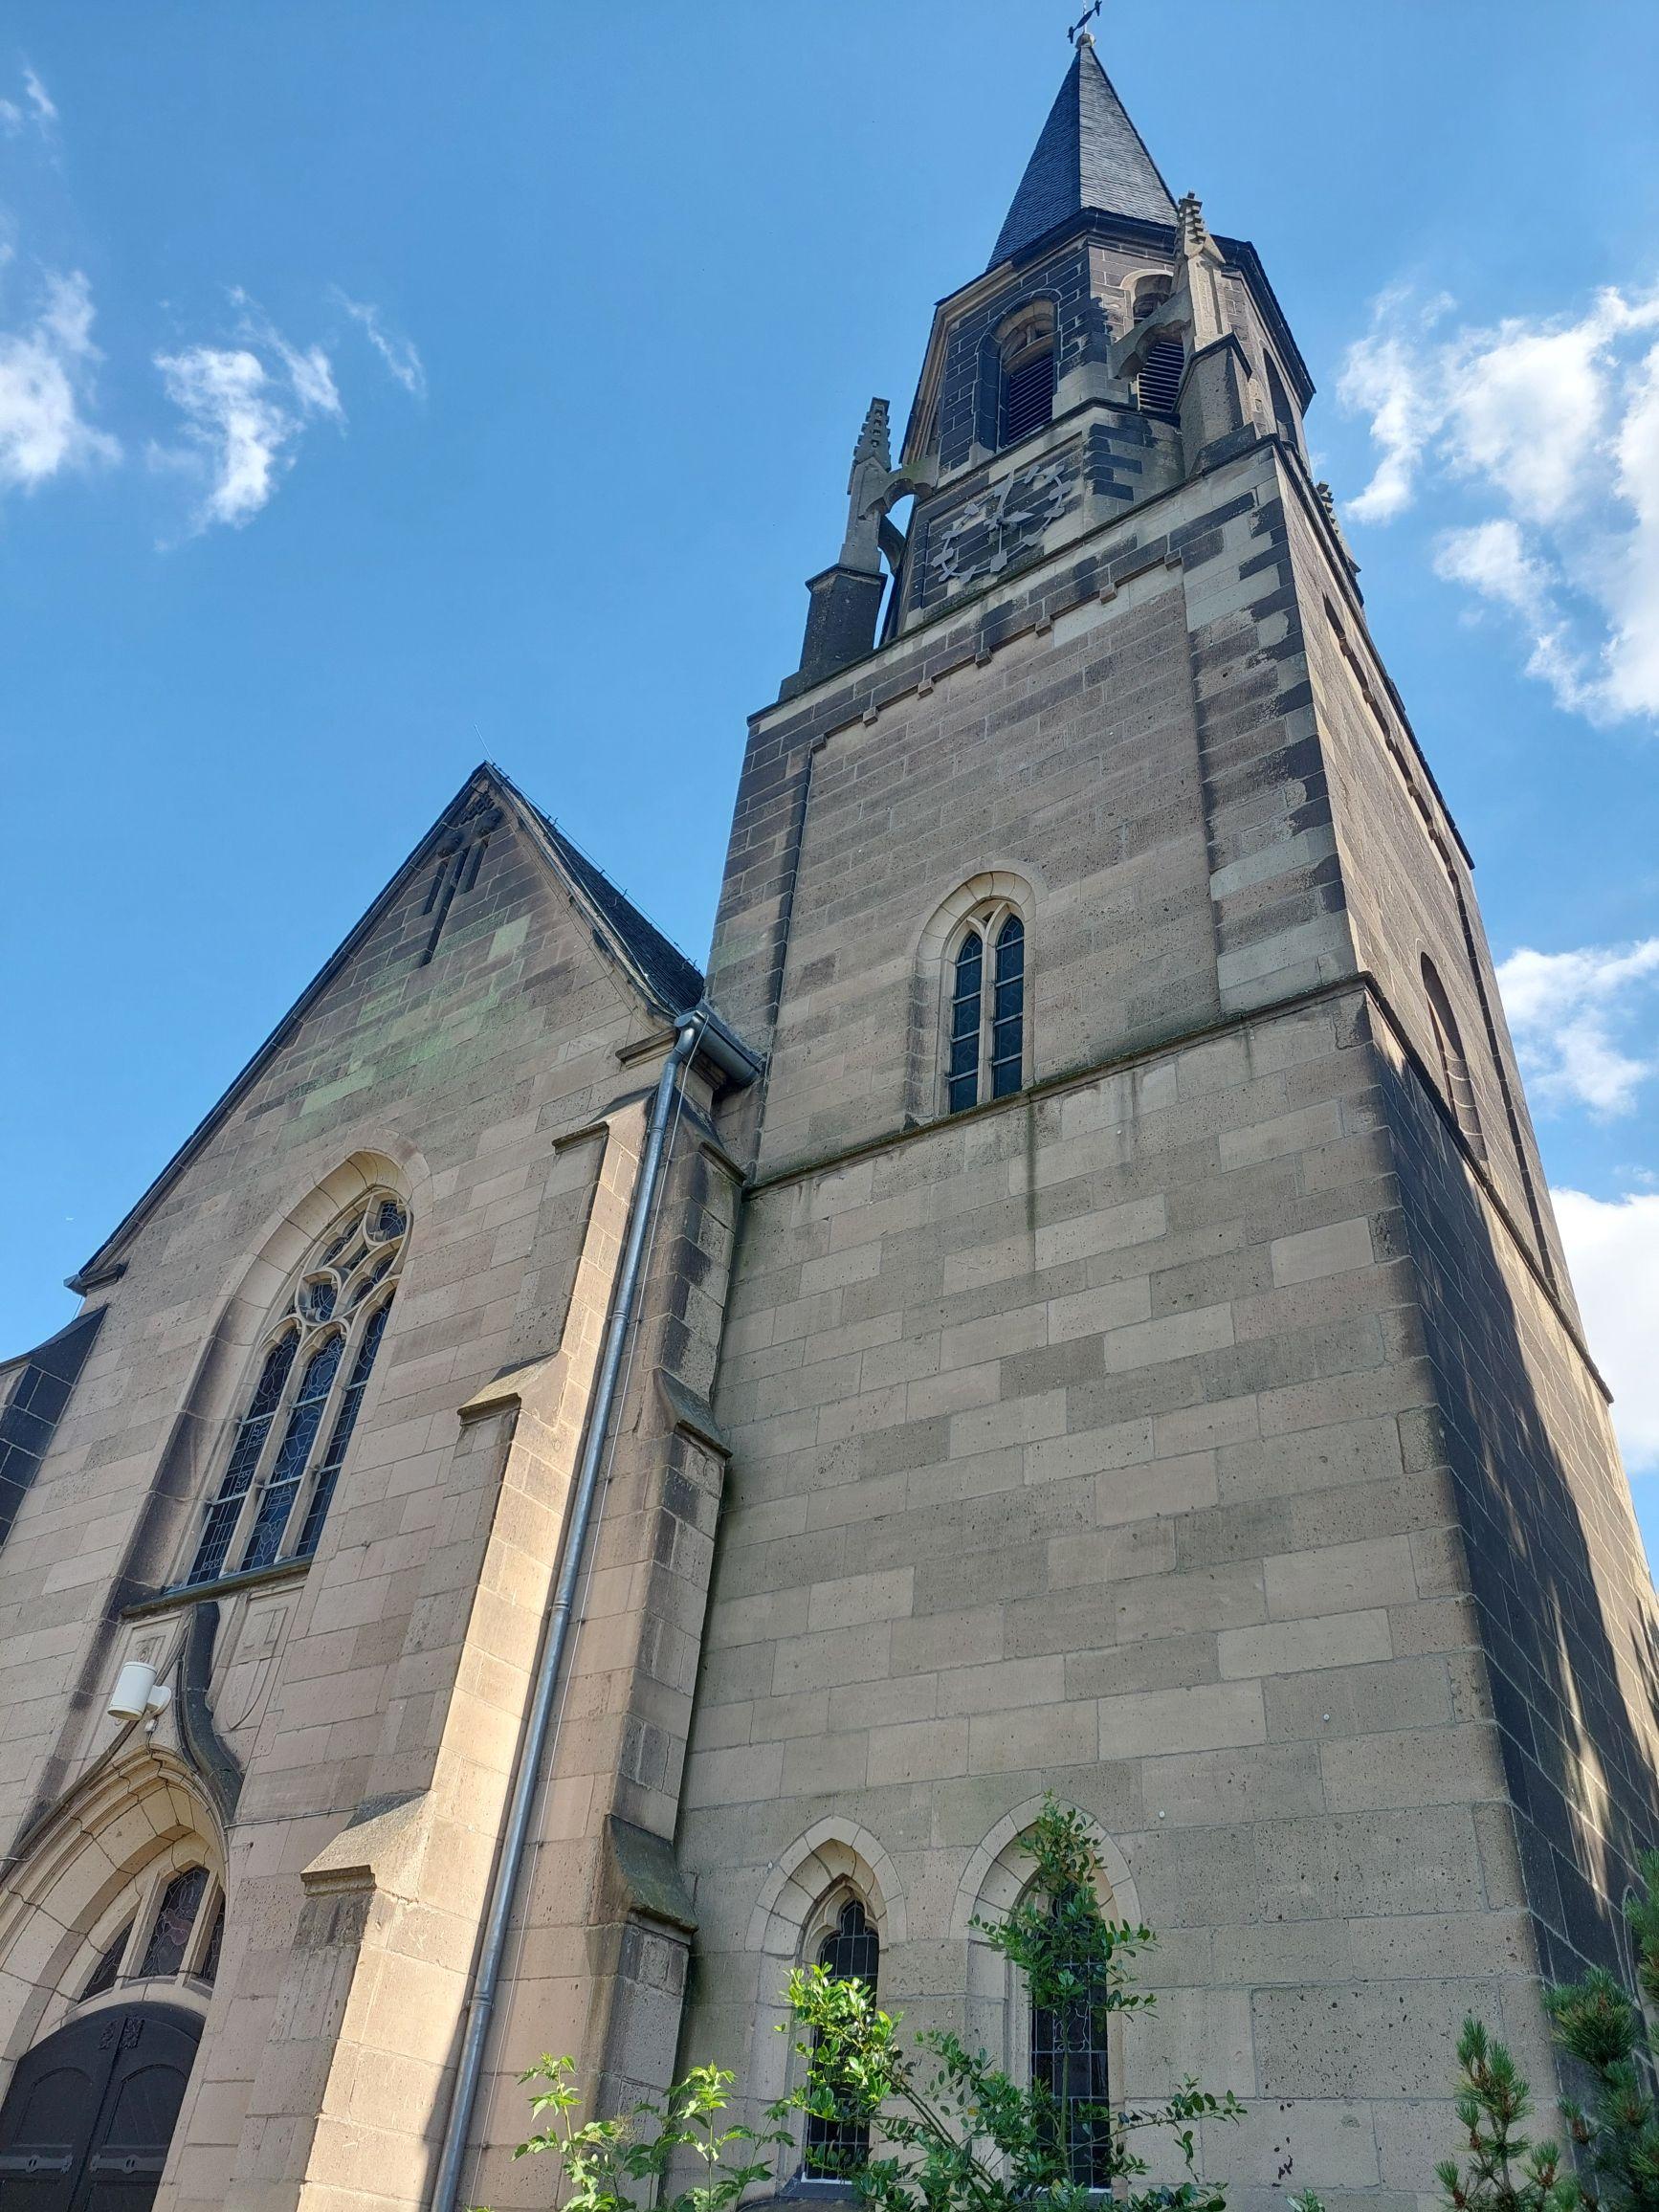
(37, 107)
(1613, 1252)
(41, 104)
(45, 380)
(245, 405)
(1566, 1008)
(1555, 423)
(402, 360)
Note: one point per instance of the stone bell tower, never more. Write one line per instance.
(1151, 1373)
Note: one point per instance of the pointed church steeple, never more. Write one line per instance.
(1089, 155)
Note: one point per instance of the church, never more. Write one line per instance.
(585, 1483)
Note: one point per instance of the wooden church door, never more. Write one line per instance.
(89, 2114)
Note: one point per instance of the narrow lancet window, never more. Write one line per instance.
(985, 1025)
(965, 1021)
(290, 1442)
(1008, 1009)
(833, 2149)
(1068, 2062)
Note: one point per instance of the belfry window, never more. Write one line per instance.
(1157, 380)
(833, 2148)
(1454, 1066)
(985, 1039)
(290, 1443)
(1028, 376)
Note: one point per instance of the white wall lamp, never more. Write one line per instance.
(137, 1694)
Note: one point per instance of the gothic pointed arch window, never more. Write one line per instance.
(1454, 1075)
(833, 2147)
(986, 1019)
(309, 1376)
(1070, 2059)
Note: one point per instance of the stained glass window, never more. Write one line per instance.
(304, 1419)
(290, 1444)
(251, 1430)
(107, 1971)
(986, 1044)
(833, 2148)
(175, 1917)
(208, 1969)
(1069, 2060)
(329, 1473)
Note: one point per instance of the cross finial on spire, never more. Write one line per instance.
(1079, 34)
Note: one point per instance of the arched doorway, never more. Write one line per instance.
(89, 2114)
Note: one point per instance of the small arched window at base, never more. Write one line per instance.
(1070, 2062)
(1454, 1073)
(833, 2149)
(986, 1031)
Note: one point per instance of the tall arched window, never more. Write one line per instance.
(1027, 400)
(833, 2149)
(290, 1443)
(1454, 1066)
(986, 1029)
(1068, 2059)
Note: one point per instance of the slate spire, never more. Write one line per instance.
(1089, 155)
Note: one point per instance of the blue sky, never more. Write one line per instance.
(385, 387)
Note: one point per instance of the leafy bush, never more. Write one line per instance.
(947, 2131)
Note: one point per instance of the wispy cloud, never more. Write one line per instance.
(1568, 1011)
(1553, 425)
(245, 405)
(402, 363)
(46, 369)
(37, 107)
(1612, 1248)
(41, 106)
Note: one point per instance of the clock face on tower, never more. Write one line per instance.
(981, 538)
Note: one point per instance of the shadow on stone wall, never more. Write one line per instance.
(1565, 1603)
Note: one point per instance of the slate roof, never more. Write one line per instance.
(1089, 155)
(673, 981)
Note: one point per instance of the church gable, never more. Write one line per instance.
(495, 931)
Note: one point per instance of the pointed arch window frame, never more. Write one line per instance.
(1000, 1033)
(289, 1440)
(122, 1943)
(827, 2157)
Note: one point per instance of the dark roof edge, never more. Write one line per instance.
(98, 1269)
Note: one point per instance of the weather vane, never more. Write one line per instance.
(1080, 29)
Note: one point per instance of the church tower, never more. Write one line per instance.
(1151, 1373)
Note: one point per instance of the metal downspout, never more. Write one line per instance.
(538, 1721)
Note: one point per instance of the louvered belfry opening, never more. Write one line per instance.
(1028, 394)
(1157, 387)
